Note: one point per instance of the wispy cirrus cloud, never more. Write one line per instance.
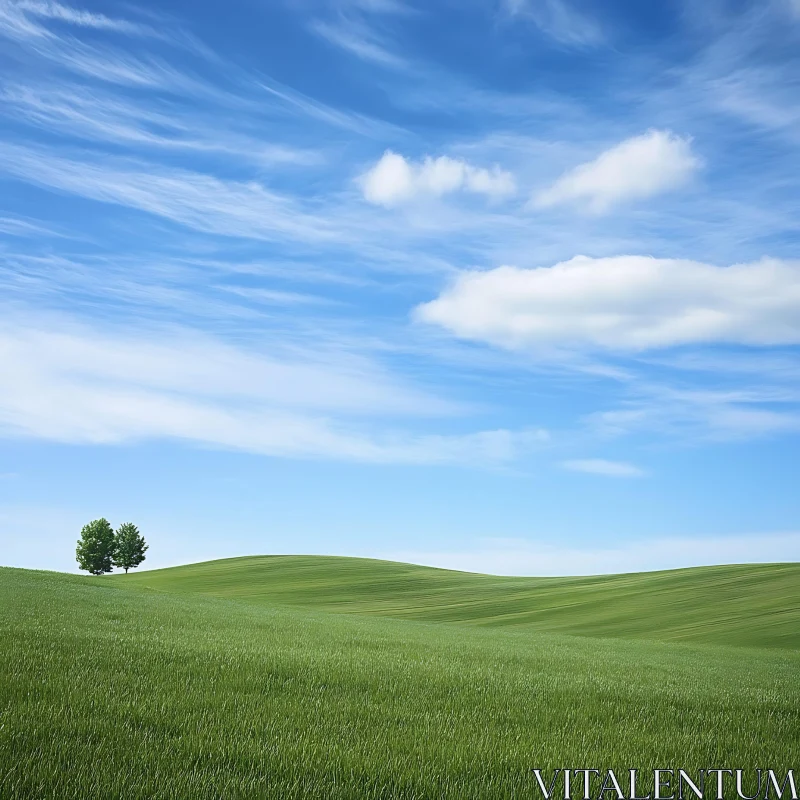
(351, 25)
(194, 199)
(71, 384)
(353, 121)
(101, 116)
(51, 10)
(742, 73)
(559, 19)
(695, 415)
(37, 22)
(96, 60)
(378, 6)
(276, 296)
(17, 226)
(360, 40)
(604, 467)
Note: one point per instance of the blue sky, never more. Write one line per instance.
(500, 285)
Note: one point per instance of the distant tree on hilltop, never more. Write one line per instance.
(95, 550)
(129, 547)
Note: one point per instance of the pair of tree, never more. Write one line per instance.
(100, 548)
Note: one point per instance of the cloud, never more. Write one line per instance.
(84, 19)
(347, 120)
(107, 62)
(101, 116)
(762, 96)
(624, 304)
(184, 361)
(359, 40)
(559, 20)
(523, 557)
(245, 209)
(16, 25)
(599, 466)
(82, 386)
(395, 180)
(379, 6)
(276, 297)
(14, 226)
(703, 414)
(353, 30)
(96, 61)
(21, 20)
(193, 199)
(646, 165)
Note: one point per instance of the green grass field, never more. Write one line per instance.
(240, 678)
(739, 605)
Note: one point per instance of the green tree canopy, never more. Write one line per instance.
(129, 547)
(95, 548)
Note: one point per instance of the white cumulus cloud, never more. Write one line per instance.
(640, 167)
(395, 179)
(623, 303)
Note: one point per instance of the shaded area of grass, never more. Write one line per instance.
(111, 692)
(754, 604)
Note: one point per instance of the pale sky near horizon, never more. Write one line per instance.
(501, 285)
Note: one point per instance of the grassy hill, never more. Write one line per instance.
(757, 605)
(114, 691)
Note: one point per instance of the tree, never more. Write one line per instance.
(95, 548)
(129, 547)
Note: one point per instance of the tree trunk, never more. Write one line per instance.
(126, 570)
